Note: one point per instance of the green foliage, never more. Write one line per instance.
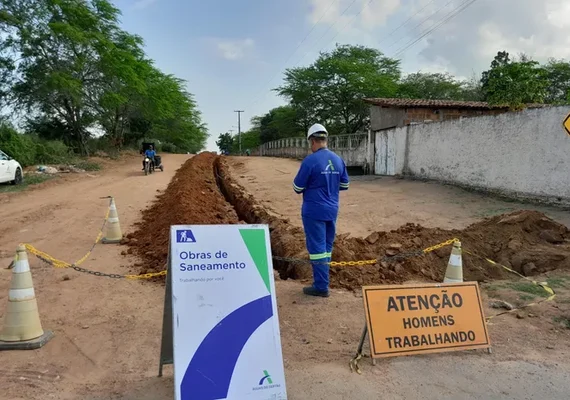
(558, 282)
(20, 147)
(30, 150)
(225, 142)
(530, 288)
(514, 83)
(250, 140)
(29, 180)
(472, 90)
(168, 148)
(331, 89)
(280, 122)
(558, 90)
(430, 86)
(69, 66)
(52, 152)
(88, 165)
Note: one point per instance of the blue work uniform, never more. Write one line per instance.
(320, 178)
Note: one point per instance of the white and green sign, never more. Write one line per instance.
(226, 330)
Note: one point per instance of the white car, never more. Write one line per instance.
(10, 170)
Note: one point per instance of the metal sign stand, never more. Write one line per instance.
(166, 347)
(354, 361)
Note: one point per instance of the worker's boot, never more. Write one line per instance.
(311, 291)
(320, 286)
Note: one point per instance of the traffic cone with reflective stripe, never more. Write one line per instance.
(22, 327)
(454, 272)
(113, 233)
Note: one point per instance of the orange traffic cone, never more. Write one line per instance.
(113, 233)
(22, 327)
(454, 272)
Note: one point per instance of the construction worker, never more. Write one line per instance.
(320, 178)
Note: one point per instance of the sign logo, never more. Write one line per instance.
(266, 378)
(329, 169)
(185, 236)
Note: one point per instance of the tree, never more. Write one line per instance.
(430, 86)
(250, 139)
(124, 86)
(558, 75)
(225, 142)
(60, 42)
(279, 122)
(67, 63)
(332, 89)
(514, 83)
(472, 90)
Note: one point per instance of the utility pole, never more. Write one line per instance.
(239, 128)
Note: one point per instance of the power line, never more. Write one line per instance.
(423, 21)
(405, 22)
(298, 46)
(322, 36)
(448, 17)
(343, 28)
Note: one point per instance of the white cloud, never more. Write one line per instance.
(465, 43)
(347, 15)
(537, 28)
(234, 49)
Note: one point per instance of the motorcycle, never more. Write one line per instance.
(148, 166)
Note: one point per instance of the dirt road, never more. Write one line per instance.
(108, 331)
(376, 203)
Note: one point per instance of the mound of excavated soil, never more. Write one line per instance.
(526, 241)
(192, 197)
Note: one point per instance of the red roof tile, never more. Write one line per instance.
(410, 103)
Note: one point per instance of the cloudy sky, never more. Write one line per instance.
(233, 52)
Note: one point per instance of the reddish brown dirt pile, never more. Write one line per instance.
(527, 241)
(192, 197)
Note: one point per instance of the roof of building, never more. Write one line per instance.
(410, 103)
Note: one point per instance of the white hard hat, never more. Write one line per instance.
(317, 130)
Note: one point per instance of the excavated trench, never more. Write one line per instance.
(203, 191)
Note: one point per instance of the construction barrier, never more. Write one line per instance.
(22, 329)
(113, 234)
(454, 271)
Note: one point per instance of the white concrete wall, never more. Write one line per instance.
(524, 154)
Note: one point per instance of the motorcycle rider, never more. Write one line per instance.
(149, 153)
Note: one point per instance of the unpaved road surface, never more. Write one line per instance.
(108, 330)
(376, 203)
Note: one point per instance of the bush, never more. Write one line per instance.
(88, 166)
(20, 147)
(29, 149)
(102, 147)
(52, 152)
(169, 148)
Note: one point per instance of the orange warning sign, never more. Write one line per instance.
(416, 319)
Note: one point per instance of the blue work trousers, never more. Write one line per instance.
(319, 236)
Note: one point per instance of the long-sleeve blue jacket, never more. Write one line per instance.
(320, 178)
